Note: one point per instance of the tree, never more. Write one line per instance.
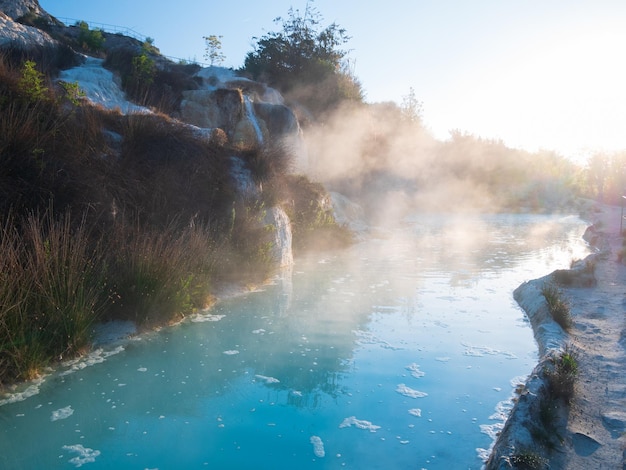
(92, 40)
(31, 82)
(305, 62)
(213, 49)
(142, 76)
(411, 107)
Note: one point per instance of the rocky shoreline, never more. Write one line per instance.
(587, 432)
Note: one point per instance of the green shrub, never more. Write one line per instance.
(32, 83)
(90, 40)
(558, 307)
(562, 375)
(71, 92)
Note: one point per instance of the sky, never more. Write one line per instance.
(536, 74)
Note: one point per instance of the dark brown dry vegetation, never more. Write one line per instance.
(106, 216)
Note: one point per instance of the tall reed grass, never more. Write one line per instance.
(51, 292)
(158, 275)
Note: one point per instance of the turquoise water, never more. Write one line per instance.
(400, 352)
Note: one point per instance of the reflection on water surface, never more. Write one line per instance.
(401, 352)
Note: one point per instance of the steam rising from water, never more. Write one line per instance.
(391, 165)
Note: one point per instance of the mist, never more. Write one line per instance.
(391, 164)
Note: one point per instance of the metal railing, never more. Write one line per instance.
(123, 30)
(107, 28)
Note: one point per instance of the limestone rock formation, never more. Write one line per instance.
(247, 111)
(15, 9)
(220, 108)
(279, 119)
(21, 36)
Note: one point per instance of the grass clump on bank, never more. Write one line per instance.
(562, 375)
(157, 276)
(557, 305)
(51, 292)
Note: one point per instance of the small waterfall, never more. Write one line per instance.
(282, 252)
(253, 119)
(100, 86)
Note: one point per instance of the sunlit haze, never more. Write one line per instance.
(535, 74)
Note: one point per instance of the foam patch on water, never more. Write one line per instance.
(481, 351)
(95, 357)
(267, 380)
(366, 337)
(492, 430)
(318, 446)
(416, 412)
(205, 317)
(31, 390)
(415, 370)
(358, 423)
(503, 410)
(62, 413)
(483, 454)
(85, 454)
(231, 352)
(409, 392)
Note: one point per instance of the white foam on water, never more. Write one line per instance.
(95, 357)
(85, 454)
(318, 446)
(481, 351)
(367, 337)
(358, 423)
(267, 380)
(416, 412)
(483, 454)
(492, 430)
(29, 391)
(62, 413)
(205, 317)
(415, 370)
(231, 352)
(402, 389)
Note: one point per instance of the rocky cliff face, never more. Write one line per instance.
(15, 9)
(249, 112)
(19, 35)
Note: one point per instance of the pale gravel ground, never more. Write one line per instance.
(597, 417)
(593, 428)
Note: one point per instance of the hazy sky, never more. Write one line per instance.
(534, 73)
